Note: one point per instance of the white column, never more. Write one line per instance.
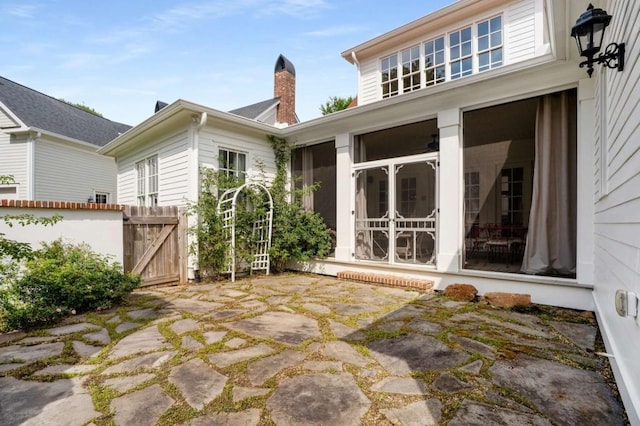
(344, 198)
(449, 184)
(585, 182)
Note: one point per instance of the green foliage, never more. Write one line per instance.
(61, 279)
(335, 104)
(16, 250)
(297, 234)
(82, 107)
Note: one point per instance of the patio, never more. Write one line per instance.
(299, 349)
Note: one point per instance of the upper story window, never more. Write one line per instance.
(466, 51)
(232, 164)
(434, 63)
(410, 69)
(490, 44)
(101, 197)
(147, 181)
(460, 53)
(390, 76)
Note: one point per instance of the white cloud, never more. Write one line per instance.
(21, 10)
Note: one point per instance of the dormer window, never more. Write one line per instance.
(389, 66)
(410, 69)
(434, 63)
(490, 44)
(456, 54)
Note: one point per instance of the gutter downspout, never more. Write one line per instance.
(194, 187)
(31, 165)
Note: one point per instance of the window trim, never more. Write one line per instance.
(106, 194)
(145, 181)
(235, 172)
(16, 188)
(384, 62)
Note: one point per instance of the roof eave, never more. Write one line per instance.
(176, 108)
(442, 17)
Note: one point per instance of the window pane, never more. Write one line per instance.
(394, 74)
(242, 162)
(496, 38)
(483, 28)
(455, 52)
(439, 43)
(483, 43)
(466, 34)
(454, 38)
(466, 66)
(439, 57)
(393, 61)
(496, 57)
(483, 61)
(428, 48)
(496, 23)
(466, 49)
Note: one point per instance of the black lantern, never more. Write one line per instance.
(589, 33)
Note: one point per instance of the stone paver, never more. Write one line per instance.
(261, 370)
(44, 403)
(124, 383)
(145, 340)
(101, 337)
(400, 385)
(30, 353)
(185, 325)
(419, 413)
(425, 359)
(239, 393)
(249, 417)
(73, 328)
(199, 383)
(555, 390)
(414, 352)
(327, 399)
(141, 408)
(478, 414)
(282, 327)
(225, 359)
(149, 361)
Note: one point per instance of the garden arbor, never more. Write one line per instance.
(262, 207)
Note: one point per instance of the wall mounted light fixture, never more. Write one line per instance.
(589, 33)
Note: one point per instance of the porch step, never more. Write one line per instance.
(424, 286)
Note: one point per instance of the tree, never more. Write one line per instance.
(335, 104)
(82, 107)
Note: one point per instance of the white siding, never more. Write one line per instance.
(64, 173)
(369, 90)
(13, 162)
(519, 31)
(173, 170)
(258, 150)
(617, 194)
(6, 121)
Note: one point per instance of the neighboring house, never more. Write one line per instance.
(49, 147)
(479, 152)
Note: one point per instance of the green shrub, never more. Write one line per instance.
(61, 279)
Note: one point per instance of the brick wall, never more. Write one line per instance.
(285, 89)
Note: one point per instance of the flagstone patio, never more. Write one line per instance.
(299, 349)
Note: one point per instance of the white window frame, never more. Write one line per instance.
(463, 56)
(387, 66)
(147, 183)
(237, 172)
(100, 194)
(408, 58)
(492, 33)
(8, 195)
(436, 66)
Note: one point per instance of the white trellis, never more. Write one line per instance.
(262, 226)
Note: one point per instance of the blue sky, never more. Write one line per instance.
(120, 57)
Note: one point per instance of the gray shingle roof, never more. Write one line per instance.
(38, 110)
(253, 111)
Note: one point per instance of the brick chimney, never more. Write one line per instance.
(284, 87)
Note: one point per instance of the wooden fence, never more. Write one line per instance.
(155, 244)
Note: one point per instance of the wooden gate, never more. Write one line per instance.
(155, 244)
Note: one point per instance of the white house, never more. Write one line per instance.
(479, 152)
(49, 148)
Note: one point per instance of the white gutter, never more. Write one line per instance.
(194, 167)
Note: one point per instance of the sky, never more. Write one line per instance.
(120, 57)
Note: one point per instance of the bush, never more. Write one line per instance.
(61, 279)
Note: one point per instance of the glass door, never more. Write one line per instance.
(395, 211)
